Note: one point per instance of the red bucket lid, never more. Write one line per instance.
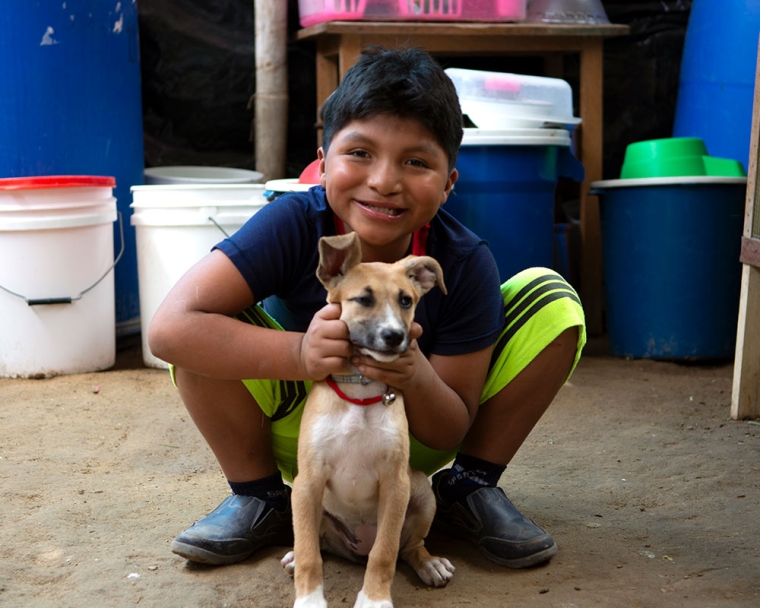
(56, 181)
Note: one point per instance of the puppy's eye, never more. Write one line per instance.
(405, 301)
(366, 301)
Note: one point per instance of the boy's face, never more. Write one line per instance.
(385, 177)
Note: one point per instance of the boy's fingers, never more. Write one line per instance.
(329, 312)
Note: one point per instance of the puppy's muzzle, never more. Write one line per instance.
(384, 345)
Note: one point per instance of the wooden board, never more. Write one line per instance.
(745, 396)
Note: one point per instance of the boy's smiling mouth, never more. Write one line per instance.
(390, 211)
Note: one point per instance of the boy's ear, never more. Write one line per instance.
(337, 255)
(453, 177)
(321, 157)
(425, 272)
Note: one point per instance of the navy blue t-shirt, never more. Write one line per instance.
(276, 252)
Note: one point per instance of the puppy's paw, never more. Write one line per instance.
(436, 572)
(363, 602)
(289, 562)
(313, 600)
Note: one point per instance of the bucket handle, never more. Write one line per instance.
(68, 299)
(223, 231)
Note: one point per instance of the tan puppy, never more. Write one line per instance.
(355, 494)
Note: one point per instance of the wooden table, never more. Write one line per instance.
(340, 42)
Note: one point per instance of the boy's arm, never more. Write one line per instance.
(194, 329)
(441, 395)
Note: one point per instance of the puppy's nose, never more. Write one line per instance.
(392, 337)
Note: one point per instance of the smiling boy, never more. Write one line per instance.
(484, 365)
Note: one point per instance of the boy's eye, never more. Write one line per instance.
(358, 153)
(405, 301)
(416, 162)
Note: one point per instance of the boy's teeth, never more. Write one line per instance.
(383, 209)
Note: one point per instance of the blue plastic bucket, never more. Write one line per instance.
(71, 105)
(505, 192)
(716, 82)
(671, 265)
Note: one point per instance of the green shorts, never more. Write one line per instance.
(539, 306)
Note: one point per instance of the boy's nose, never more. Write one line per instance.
(384, 178)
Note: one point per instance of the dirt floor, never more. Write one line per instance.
(651, 491)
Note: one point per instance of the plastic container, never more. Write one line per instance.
(56, 279)
(496, 100)
(308, 179)
(312, 12)
(671, 265)
(71, 105)
(177, 225)
(675, 157)
(716, 81)
(188, 174)
(588, 12)
(505, 192)
(461, 10)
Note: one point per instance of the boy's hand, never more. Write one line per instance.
(325, 345)
(399, 372)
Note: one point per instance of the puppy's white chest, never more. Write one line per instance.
(360, 431)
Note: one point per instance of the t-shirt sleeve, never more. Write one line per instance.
(273, 248)
(471, 316)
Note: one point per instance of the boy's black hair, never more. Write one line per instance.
(407, 83)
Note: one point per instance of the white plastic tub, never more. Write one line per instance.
(56, 281)
(191, 174)
(176, 226)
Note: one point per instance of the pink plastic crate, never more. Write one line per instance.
(461, 10)
(430, 9)
(312, 12)
(317, 11)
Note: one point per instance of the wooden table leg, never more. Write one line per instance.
(591, 152)
(348, 54)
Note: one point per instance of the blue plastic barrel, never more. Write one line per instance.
(671, 265)
(505, 192)
(70, 104)
(716, 82)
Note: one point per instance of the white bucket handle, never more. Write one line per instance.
(69, 299)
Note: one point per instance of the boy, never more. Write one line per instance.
(476, 378)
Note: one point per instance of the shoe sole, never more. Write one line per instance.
(523, 562)
(202, 556)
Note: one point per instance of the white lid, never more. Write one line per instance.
(667, 181)
(184, 195)
(516, 137)
(499, 100)
(287, 185)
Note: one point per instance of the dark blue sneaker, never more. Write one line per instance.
(488, 519)
(234, 531)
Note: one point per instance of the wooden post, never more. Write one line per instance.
(745, 396)
(271, 96)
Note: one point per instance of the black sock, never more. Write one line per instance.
(271, 489)
(469, 473)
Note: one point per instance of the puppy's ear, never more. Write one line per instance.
(425, 272)
(337, 254)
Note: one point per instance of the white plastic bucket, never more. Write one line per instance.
(57, 309)
(176, 226)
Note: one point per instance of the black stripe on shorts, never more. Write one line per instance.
(552, 288)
